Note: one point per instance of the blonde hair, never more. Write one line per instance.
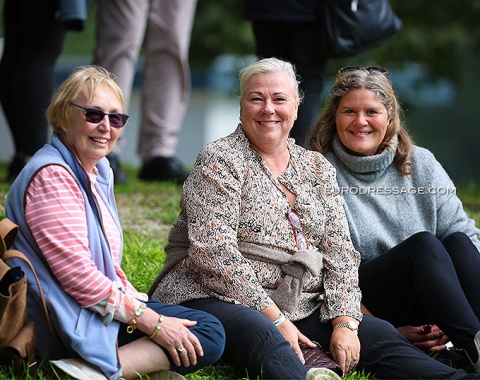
(321, 135)
(86, 80)
(270, 65)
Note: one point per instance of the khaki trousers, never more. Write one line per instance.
(164, 28)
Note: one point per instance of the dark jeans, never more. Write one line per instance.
(33, 41)
(298, 43)
(423, 280)
(255, 345)
(208, 330)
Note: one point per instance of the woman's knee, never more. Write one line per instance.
(458, 242)
(209, 330)
(424, 238)
(456, 237)
(211, 334)
(370, 327)
(424, 245)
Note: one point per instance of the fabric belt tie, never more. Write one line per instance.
(287, 295)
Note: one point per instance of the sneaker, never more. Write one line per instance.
(166, 375)
(321, 374)
(473, 352)
(163, 169)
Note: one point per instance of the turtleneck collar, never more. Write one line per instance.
(364, 164)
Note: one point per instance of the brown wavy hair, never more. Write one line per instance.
(321, 135)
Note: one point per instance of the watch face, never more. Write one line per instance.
(352, 325)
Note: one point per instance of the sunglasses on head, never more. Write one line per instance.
(95, 115)
(370, 69)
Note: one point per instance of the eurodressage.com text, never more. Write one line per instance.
(392, 190)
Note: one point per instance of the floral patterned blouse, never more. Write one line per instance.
(231, 196)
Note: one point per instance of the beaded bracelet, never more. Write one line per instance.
(159, 326)
(281, 318)
(133, 324)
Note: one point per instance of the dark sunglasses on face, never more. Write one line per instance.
(95, 115)
(381, 70)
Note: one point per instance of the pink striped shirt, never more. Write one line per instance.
(55, 212)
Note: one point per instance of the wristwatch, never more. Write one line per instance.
(348, 324)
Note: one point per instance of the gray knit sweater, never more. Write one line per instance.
(385, 207)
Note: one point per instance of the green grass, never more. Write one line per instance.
(147, 210)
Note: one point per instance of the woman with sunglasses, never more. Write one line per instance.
(63, 202)
(261, 245)
(420, 251)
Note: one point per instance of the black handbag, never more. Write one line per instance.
(354, 26)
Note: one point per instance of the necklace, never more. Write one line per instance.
(283, 167)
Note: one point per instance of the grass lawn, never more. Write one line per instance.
(147, 210)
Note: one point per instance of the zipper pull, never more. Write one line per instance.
(354, 5)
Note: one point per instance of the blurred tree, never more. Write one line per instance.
(435, 33)
(219, 28)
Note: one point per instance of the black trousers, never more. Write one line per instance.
(33, 41)
(257, 348)
(298, 43)
(425, 280)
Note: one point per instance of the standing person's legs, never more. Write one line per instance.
(300, 45)
(12, 51)
(311, 66)
(253, 342)
(119, 33)
(34, 40)
(415, 283)
(166, 87)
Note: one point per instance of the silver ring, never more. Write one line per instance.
(354, 358)
(180, 350)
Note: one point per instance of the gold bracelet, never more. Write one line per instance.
(159, 326)
(133, 323)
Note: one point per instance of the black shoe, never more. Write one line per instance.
(16, 166)
(163, 169)
(119, 176)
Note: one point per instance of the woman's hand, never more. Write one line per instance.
(426, 337)
(294, 336)
(345, 348)
(182, 345)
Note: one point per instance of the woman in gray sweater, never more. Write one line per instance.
(420, 251)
